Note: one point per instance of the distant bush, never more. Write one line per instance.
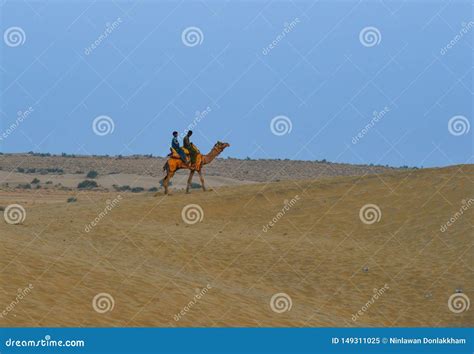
(45, 171)
(92, 174)
(35, 181)
(49, 182)
(39, 154)
(63, 154)
(195, 185)
(137, 189)
(24, 186)
(20, 169)
(153, 189)
(87, 184)
(71, 200)
(121, 188)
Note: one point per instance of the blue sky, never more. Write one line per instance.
(405, 87)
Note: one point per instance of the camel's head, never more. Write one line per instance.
(220, 146)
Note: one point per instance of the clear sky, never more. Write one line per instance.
(383, 82)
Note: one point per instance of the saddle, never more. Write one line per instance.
(174, 154)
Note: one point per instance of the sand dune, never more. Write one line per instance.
(319, 253)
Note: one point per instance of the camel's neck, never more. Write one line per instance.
(211, 156)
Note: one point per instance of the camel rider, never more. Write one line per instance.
(175, 145)
(190, 146)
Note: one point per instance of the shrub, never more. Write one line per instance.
(71, 199)
(49, 182)
(63, 154)
(87, 184)
(195, 185)
(137, 189)
(35, 181)
(153, 189)
(92, 174)
(45, 171)
(24, 186)
(121, 188)
(20, 169)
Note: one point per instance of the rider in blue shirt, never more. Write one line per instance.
(175, 145)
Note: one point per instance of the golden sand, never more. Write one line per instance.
(319, 253)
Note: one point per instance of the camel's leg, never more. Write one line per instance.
(202, 180)
(190, 179)
(166, 181)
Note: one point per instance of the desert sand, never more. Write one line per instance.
(106, 182)
(320, 254)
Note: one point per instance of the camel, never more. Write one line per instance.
(173, 164)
